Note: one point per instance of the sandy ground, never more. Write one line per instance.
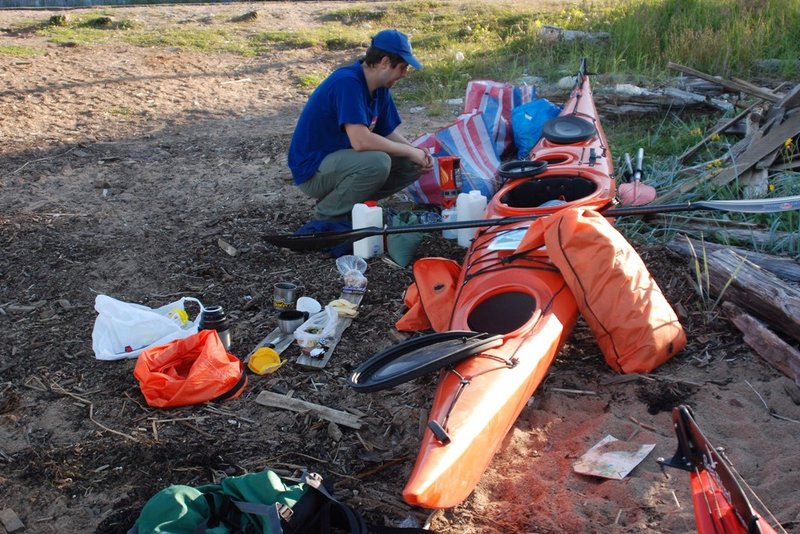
(121, 168)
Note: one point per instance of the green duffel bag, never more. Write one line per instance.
(258, 503)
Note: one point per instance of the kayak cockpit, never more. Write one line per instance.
(503, 313)
(535, 193)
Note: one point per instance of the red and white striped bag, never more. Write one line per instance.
(496, 100)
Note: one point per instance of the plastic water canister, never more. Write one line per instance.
(469, 206)
(448, 216)
(364, 216)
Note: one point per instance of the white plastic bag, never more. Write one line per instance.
(123, 330)
(317, 329)
(352, 269)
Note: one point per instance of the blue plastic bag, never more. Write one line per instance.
(527, 121)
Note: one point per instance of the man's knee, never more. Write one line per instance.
(377, 163)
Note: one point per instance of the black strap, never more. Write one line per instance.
(242, 382)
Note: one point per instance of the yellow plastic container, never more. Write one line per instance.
(265, 361)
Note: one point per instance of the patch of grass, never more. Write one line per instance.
(122, 111)
(311, 80)
(289, 39)
(19, 51)
(86, 29)
(357, 15)
(201, 39)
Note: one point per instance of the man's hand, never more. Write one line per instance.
(421, 157)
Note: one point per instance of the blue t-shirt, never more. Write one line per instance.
(343, 98)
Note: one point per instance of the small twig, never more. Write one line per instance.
(616, 519)
(176, 419)
(242, 80)
(770, 411)
(643, 425)
(43, 159)
(197, 429)
(40, 387)
(58, 388)
(675, 497)
(104, 427)
(574, 391)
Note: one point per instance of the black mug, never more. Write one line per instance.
(290, 320)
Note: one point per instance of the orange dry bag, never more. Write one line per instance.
(635, 327)
(188, 371)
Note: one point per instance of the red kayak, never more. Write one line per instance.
(720, 504)
(518, 295)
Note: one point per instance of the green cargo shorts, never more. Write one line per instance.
(347, 177)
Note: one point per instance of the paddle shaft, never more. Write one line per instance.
(328, 239)
(721, 205)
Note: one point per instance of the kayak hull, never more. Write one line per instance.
(518, 295)
(477, 416)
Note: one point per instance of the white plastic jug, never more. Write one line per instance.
(469, 206)
(448, 216)
(366, 215)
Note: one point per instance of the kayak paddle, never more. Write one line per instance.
(320, 240)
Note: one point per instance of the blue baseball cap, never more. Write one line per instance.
(396, 42)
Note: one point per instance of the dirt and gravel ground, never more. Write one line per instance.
(121, 168)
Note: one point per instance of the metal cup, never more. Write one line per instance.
(290, 320)
(286, 294)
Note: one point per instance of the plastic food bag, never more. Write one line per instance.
(317, 329)
(352, 269)
(123, 330)
(188, 371)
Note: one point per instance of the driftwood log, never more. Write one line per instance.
(781, 266)
(755, 290)
(765, 342)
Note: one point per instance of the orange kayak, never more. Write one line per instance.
(720, 503)
(520, 296)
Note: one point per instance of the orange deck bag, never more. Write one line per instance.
(635, 327)
(430, 298)
(188, 371)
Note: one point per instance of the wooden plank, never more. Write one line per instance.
(790, 99)
(769, 96)
(310, 362)
(276, 400)
(759, 149)
(719, 129)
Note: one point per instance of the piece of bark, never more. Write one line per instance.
(755, 290)
(276, 400)
(783, 267)
(765, 343)
(10, 520)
